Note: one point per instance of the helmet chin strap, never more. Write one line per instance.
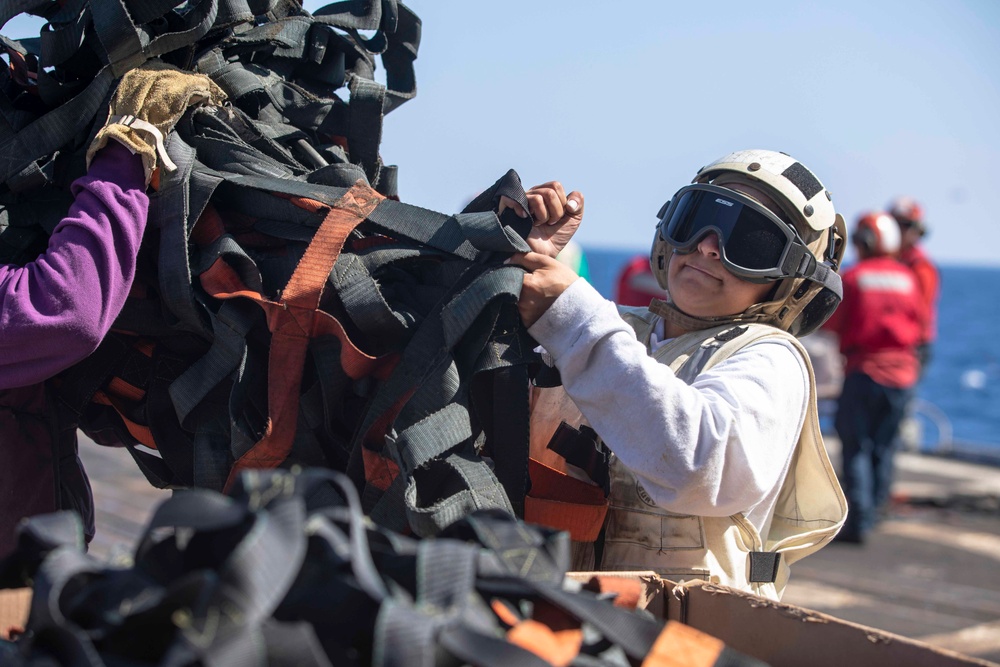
(675, 315)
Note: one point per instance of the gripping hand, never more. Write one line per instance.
(147, 104)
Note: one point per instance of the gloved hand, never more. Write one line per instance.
(147, 104)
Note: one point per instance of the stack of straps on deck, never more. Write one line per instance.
(288, 309)
(286, 571)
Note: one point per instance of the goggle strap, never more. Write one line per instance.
(807, 262)
(830, 279)
(663, 212)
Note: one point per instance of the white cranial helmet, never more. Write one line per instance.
(803, 299)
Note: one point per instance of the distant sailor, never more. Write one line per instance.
(910, 216)
(636, 284)
(880, 323)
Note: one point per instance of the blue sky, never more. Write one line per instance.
(625, 101)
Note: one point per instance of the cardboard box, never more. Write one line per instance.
(782, 635)
(14, 604)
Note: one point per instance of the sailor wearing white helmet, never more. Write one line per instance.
(707, 400)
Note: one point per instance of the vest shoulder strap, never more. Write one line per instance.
(695, 352)
(811, 506)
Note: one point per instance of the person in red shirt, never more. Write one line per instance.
(637, 286)
(879, 323)
(910, 216)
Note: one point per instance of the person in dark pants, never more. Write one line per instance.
(879, 324)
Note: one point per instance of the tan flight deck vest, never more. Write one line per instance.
(810, 509)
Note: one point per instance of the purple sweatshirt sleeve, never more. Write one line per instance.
(55, 310)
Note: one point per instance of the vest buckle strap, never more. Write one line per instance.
(764, 566)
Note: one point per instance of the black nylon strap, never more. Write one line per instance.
(360, 294)
(464, 484)
(620, 626)
(356, 14)
(509, 440)
(478, 649)
(230, 581)
(432, 437)
(398, 59)
(764, 566)
(583, 448)
(55, 129)
(78, 384)
(170, 209)
(439, 332)
(365, 127)
(463, 235)
(11, 8)
(425, 355)
(230, 327)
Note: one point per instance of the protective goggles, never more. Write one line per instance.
(754, 243)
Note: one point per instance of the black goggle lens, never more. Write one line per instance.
(748, 239)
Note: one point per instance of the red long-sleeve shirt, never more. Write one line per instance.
(880, 321)
(929, 283)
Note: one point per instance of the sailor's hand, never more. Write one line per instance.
(546, 278)
(149, 100)
(556, 216)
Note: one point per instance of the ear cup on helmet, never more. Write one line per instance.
(659, 258)
(815, 313)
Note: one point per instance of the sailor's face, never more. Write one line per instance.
(701, 286)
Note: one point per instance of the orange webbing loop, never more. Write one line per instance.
(209, 226)
(295, 319)
(562, 502)
(380, 471)
(681, 645)
(140, 432)
(552, 635)
(628, 592)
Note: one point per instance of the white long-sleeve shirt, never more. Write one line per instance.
(719, 446)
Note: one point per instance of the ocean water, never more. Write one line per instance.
(957, 406)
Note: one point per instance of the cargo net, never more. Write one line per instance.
(286, 570)
(288, 311)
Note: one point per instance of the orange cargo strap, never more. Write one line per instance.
(295, 318)
(554, 637)
(562, 502)
(680, 645)
(628, 592)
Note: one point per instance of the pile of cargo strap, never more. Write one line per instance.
(378, 354)
(351, 369)
(287, 571)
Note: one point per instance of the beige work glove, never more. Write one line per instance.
(147, 104)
